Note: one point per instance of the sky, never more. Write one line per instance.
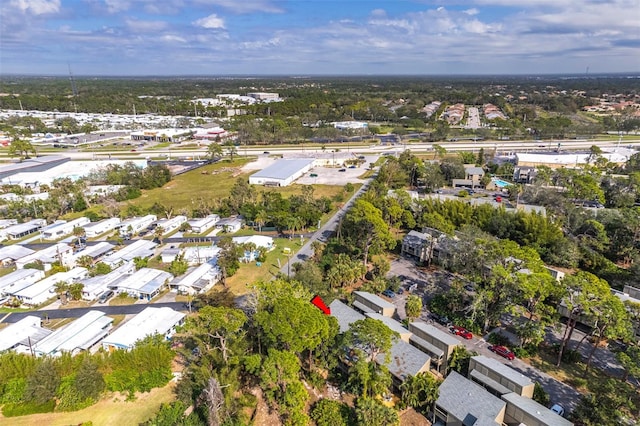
(318, 37)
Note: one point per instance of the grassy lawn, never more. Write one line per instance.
(5, 271)
(571, 374)
(109, 411)
(214, 181)
(122, 299)
(249, 273)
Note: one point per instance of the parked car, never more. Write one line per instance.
(440, 319)
(390, 294)
(105, 296)
(401, 290)
(558, 409)
(503, 352)
(342, 170)
(461, 331)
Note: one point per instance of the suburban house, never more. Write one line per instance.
(368, 302)
(22, 335)
(94, 229)
(196, 255)
(149, 322)
(79, 335)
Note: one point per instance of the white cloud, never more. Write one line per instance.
(139, 26)
(471, 12)
(378, 13)
(36, 7)
(212, 21)
(244, 6)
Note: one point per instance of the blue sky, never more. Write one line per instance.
(302, 37)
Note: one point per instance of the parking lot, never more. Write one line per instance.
(430, 283)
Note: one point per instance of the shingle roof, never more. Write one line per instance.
(467, 401)
(344, 314)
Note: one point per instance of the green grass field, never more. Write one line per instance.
(210, 182)
(110, 411)
(250, 273)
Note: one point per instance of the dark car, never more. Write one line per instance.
(440, 319)
(503, 352)
(390, 294)
(342, 170)
(461, 331)
(105, 296)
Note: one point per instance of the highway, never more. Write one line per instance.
(416, 147)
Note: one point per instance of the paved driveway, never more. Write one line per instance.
(430, 284)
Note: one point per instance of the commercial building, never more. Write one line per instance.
(144, 283)
(19, 279)
(264, 96)
(79, 335)
(368, 302)
(617, 156)
(134, 225)
(43, 290)
(149, 322)
(197, 280)
(31, 165)
(140, 248)
(95, 229)
(63, 228)
(22, 335)
(162, 135)
(282, 172)
(438, 344)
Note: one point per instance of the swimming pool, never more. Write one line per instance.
(500, 183)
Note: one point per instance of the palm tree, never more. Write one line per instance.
(260, 219)
(214, 151)
(158, 233)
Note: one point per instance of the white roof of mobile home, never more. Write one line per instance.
(148, 322)
(140, 248)
(103, 281)
(203, 271)
(47, 255)
(25, 332)
(145, 280)
(80, 334)
(43, 290)
(94, 250)
(14, 252)
(25, 276)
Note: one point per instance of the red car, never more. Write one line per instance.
(503, 352)
(461, 331)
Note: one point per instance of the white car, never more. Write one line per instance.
(558, 409)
